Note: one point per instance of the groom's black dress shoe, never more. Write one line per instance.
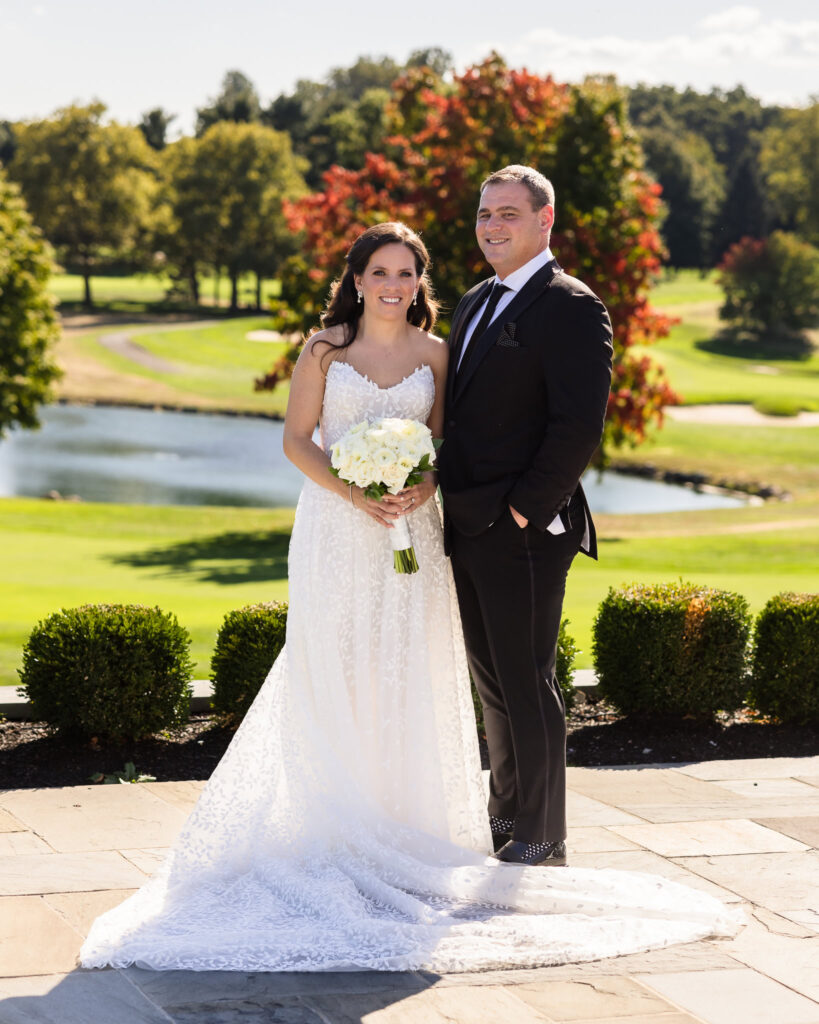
(549, 854)
(501, 831)
(500, 839)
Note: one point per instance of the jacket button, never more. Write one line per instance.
(450, 423)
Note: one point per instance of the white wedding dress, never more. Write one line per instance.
(346, 827)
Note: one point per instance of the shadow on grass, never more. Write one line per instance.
(225, 558)
(745, 345)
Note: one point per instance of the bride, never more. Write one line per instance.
(346, 826)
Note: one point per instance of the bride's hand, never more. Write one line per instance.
(384, 512)
(412, 498)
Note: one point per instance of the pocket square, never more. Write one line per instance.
(506, 338)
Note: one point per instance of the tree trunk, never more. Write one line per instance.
(89, 302)
(194, 283)
(234, 291)
(216, 280)
(258, 293)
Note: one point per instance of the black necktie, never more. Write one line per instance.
(486, 318)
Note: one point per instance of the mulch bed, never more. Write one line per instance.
(32, 757)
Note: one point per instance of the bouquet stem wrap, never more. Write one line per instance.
(403, 553)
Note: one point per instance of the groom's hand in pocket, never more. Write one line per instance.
(522, 521)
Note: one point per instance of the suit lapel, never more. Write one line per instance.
(456, 337)
(534, 287)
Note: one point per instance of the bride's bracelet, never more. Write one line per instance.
(351, 496)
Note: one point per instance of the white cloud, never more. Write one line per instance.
(734, 19)
(770, 55)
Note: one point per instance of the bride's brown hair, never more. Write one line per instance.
(343, 306)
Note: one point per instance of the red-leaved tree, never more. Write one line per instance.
(444, 139)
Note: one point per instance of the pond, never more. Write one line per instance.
(150, 457)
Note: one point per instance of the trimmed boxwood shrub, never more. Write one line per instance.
(248, 643)
(785, 665)
(672, 649)
(564, 670)
(119, 671)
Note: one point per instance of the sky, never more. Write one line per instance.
(174, 53)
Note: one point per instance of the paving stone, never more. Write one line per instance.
(793, 961)
(146, 860)
(708, 838)
(787, 789)
(804, 830)
(66, 872)
(652, 1018)
(179, 794)
(81, 909)
(485, 1005)
(78, 818)
(8, 823)
(593, 999)
(779, 924)
(807, 918)
(14, 843)
(175, 988)
(777, 881)
(596, 839)
(583, 810)
(726, 997)
(246, 1011)
(753, 768)
(34, 939)
(744, 808)
(84, 997)
(652, 864)
(632, 786)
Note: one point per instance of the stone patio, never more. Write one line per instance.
(746, 831)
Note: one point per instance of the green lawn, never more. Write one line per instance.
(686, 287)
(783, 456)
(701, 375)
(137, 291)
(196, 562)
(212, 367)
(201, 562)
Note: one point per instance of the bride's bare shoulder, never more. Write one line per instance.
(326, 343)
(434, 350)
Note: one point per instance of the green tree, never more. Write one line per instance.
(790, 164)
(771, 287)
(339, 120)
(731, 122)
(693, 186)
(90, 187)
(28, 326)
(8, 142)
(154, 126)
(224, 201)
(238, 101)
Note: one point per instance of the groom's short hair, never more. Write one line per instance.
(541, 190)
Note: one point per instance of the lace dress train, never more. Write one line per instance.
(345, 828)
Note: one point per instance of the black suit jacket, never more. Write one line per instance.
(525, 414)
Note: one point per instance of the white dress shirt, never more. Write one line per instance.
(514, 282)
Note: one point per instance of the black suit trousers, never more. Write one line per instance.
(510, 584)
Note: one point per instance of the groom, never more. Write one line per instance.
(528, 386)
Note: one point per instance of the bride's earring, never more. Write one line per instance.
(360, 295)
(414, 297)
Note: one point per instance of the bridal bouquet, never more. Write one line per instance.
(386, 456)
